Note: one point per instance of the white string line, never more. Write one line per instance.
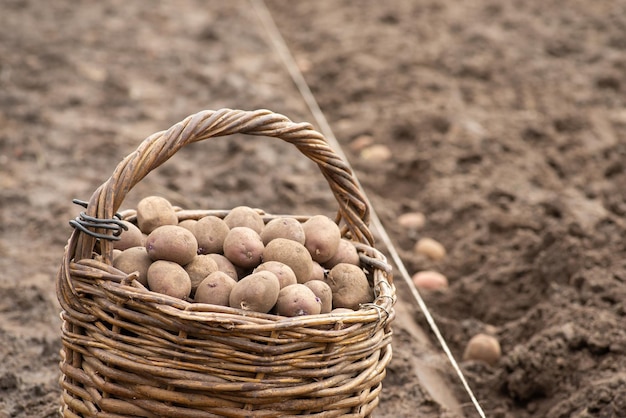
(287, 58)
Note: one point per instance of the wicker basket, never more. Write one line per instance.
(131, 352)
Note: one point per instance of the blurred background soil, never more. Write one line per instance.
(505, 124)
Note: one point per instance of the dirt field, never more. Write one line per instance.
(506, 124)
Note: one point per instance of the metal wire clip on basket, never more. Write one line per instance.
(128, 351)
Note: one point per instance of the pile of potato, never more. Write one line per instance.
(284, 267)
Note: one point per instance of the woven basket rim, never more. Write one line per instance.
(126, 287)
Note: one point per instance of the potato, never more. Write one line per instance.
(224, 265)
(346, 253)
(189, 224)
(412, 220)
(154, 211)
(172, 243)
(430, 248)
(322, 237)
(134, 259)
(243, 247)
(169, 278)
(483, 347)
(349, 286)
(429, 280)
(285, 274)
(198, 269)
(210, 232)
(317, 272)
(376, 153)
(297, 300)
(283, 227)
(292, 253)
(245, 216)
(323, 292)
(215, 289)
(256, 292)
(131, 237)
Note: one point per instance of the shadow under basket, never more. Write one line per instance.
(131, 352)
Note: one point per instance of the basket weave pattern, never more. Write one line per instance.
(128, 351)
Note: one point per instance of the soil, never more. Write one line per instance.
(505, 123)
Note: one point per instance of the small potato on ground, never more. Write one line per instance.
(430, 280)
(483, 347)
(412, 220)
(430, 248)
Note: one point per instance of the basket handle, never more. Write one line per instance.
(160, 146)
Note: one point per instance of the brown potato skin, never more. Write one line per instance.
(297, 300)
(154, 211)
(215, 289)
(189, 224)
(323, 292)
(292, 253)
(211, 232)
(256, 292)
(198, 269)
(349, 285)
(224, 264)
(243, 247)
(346, 253)
(483, 347)
(317, 272)
(172, 243)
(169, 278)
(285, 274)
(322, 237)
(131, 237)
(283, 227)
(244, 216)
(134, 259)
